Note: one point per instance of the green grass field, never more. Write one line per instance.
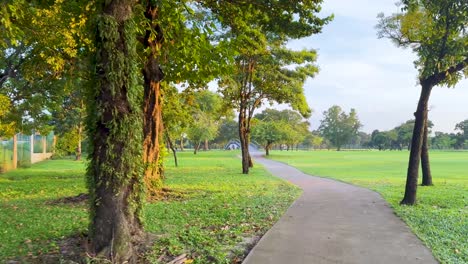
(216, 209)
(440, 218)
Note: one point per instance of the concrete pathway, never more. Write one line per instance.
(334, 222)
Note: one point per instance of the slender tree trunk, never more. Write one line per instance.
(267, 149)
(196, 147)
(152, 108)
(171, 146)
(206, 146)
(115, 169)
(243, 136)
(426, 168)
(80, 135)
(15, 151)
(416, 145)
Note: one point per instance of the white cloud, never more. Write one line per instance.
(365, 10)
(379, 80)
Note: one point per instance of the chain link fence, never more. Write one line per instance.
(42, 148)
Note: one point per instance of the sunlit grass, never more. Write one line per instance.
(216, 207)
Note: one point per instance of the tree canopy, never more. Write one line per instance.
(338, 127)
(263, 69)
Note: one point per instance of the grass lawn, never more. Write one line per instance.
(216, 211)
(440, 218)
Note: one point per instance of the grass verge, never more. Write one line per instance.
(216, 214)
(440, 217)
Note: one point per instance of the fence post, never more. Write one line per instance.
(31, 149)
(15, 151)
(54, 144)
(44, 145)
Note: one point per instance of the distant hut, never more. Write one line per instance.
(232, 145)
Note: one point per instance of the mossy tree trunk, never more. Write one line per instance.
(152, 106)
(115, 131)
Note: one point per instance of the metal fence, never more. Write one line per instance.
(23, 150)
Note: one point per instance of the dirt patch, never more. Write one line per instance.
(70, 250)
(76, 250)
(167, 194)
(243, 248)
(79, 199)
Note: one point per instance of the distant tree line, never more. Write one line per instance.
(399, 137)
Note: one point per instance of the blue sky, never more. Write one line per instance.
(378, 79)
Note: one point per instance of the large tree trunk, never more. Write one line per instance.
(115, 169)
(426, 168)
(416, 145)
(152, 105)
(244, 140)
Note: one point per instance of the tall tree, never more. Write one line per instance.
(70, 115)
(176, 49)
(228, 130)
(294, 127)
(115, 126)
(203, 129)
(462, 127)
(211, 104)
(268, 132)
(338, 127)
(176, 116)
(436, 31)
(257, 32)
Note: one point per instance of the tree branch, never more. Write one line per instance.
(440, 76)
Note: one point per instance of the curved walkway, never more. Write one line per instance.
(334, 222)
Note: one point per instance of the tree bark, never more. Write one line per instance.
(152, 105)
(115, 169)
(267, 149)
(416, 145)
(171, 146)
(426, 168)
(243, 136)
(196, 147)
(181, 143)
(206, 145)
(78, 149)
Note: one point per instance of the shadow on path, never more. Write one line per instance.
(334, 222)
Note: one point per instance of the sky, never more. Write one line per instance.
(378, 79)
